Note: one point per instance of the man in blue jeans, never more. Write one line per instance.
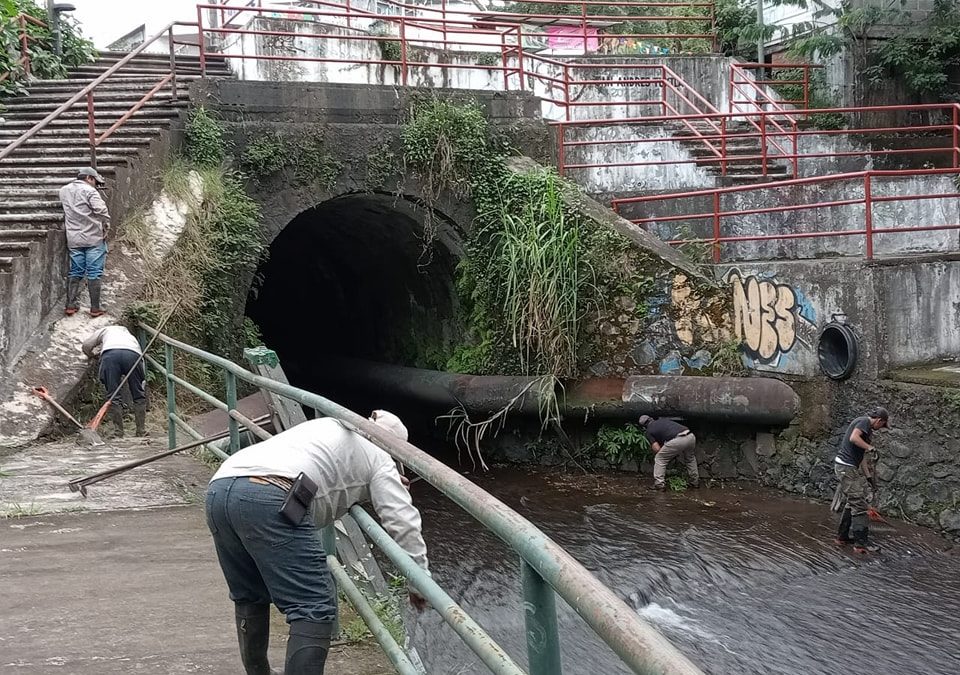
(265, 557)
(86, 221)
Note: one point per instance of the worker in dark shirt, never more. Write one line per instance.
(854, 466)
(668, 440)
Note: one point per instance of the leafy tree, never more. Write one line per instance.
(44, 63)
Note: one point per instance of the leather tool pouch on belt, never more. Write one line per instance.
(298, 500)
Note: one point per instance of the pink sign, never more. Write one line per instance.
(571, 37)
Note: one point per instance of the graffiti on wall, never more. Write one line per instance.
(770, 318)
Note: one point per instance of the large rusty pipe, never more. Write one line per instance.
(742, 400)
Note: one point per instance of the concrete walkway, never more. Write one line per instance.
(123, 585)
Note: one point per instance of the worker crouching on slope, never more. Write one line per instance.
(120, 354)
(265, 506)
(854, 467)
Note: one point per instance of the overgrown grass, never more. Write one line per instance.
(537, 255)
(16, 510)
(218, 249)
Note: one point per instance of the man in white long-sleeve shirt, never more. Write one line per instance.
(267, 558)
(119, 355)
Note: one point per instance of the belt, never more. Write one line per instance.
(683, 433)
(281, 482)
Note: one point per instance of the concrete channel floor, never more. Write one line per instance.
(123, 585)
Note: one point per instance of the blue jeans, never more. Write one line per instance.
(88, 261)
(263, 556)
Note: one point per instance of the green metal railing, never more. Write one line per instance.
(547, 570)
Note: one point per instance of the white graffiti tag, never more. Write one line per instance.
(765, 316)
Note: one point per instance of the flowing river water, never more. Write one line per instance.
(741, 579)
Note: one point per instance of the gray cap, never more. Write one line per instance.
(90, 172)
(644, 420)
(880, 413)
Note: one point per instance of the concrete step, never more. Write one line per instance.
(29, 219)
(22, 235)
(16, 249)
(111, 115)
(73, 119)
(8, 133)
(80, 140)
(749, 179)
(121, 102)
(34, 173)
(11, 204)
(55, 98)
(15, 164)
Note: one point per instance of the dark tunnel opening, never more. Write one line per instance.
(351, 278)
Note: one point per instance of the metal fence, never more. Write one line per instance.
(546, 569)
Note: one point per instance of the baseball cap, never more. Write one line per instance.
(880, 414)
(390, 422)
(644, 420)
(90, 172)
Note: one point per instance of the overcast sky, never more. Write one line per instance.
(106, 20)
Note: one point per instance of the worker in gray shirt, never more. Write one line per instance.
(86, 222)
(264, 507)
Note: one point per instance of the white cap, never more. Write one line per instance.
(390, 422)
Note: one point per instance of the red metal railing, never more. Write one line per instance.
(764, 131)
(24, 41)
(753, 74)
(88, 93)
(717, 214)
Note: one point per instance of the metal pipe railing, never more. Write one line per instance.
(87, 93)
(869, 231)
(547, 568)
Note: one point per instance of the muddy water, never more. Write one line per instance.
(741, 580)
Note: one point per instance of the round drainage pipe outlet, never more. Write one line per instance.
(837, 351)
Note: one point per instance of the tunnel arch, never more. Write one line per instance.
(352, 276)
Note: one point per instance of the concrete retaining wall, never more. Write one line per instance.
(904, 312)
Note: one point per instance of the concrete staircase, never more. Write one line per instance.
(739, 172)
(32, 245)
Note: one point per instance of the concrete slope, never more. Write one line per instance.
(32, 245)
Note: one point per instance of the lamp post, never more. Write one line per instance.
(54, 10)
(760, 39)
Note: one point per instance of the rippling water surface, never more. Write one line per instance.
(741, 580)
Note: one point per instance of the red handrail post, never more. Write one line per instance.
(806, 88)
(868, 214)
(200, 43)
(566, 90)
(443, 20)
(583, 24)
(173, 66)
(716, 226)
(763, 143)
(796, 148)
(24, 45)
(715, 45)
(349, 25)
(956, 135)
(561, 147)
(92, 129)
(503, 61)
(520, 67)
(723, 146)
(403, 50)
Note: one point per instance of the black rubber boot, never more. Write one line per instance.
(73, 290)
(307, 647)
(93, 287)
(253, 634)
(140, 415)
(861, 535)
(843, 532)
(116, 416)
